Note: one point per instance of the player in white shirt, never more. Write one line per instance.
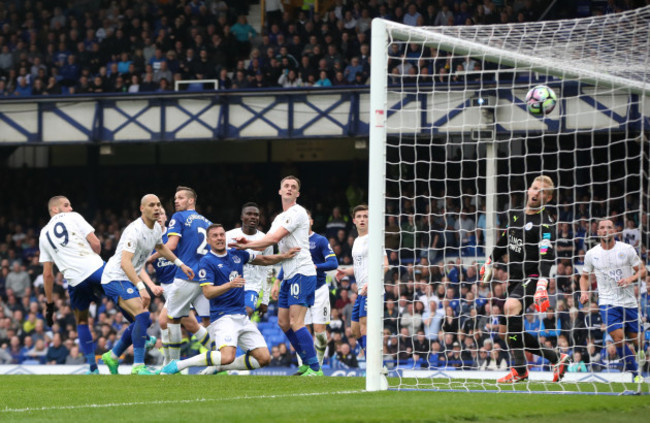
(256, 276)
(617, 268)
(122, 283)
(360, 272)
(290, 229)
(632, 235)
(70, 242)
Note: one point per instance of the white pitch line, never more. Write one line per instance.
(190, 401)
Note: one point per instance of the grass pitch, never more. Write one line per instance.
(289, 399)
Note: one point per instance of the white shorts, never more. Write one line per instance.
(319, 313)
(166, 287)
(181, 295)
(236, 330)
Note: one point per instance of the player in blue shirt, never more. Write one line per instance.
(220, 275)
(187, 239)
(319, 314)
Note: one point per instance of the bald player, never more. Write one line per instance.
(122, 283)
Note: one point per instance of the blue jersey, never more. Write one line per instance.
(218, 270)
(165, 269)
(323, 257)
(191, 227)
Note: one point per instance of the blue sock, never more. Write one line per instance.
(124, 342)
(291, 336)
(362, 342)
(142, 322)
(86, 345)
(630, 362)
(307, 351)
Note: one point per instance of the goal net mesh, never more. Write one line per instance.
(461, 150)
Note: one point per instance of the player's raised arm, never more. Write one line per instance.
(260, 244)
(275, 258)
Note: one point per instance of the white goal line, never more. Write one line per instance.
(166, 402)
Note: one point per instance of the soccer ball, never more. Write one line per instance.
(541, 100)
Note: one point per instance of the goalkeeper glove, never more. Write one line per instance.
(541, 296)
(49, 313)
(486, 270)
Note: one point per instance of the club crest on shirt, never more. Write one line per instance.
(236, 259)
(312, 245)
(528, 226)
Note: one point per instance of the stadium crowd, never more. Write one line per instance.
(99, 46)
(437, 311)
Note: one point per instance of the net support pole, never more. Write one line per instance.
(375, 379)
(490, 197)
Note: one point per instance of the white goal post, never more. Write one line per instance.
(601, 64)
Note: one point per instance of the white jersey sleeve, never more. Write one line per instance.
(296, 221)
(360, 260)
(84, 227)
(137, 239)
(63, 242)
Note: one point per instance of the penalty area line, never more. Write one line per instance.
(166, 402)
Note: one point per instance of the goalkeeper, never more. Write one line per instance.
(528, 242)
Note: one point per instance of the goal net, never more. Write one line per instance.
(453, 151)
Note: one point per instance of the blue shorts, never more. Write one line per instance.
(620, 318)
(360, 308)
(88, 291)
(124, 290)
(250, 299)
(299, 290)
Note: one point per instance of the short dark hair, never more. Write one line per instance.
(291, 177)
(249, 204)
(360, 207)
(212, 227)
(188, 189)
(54, 200)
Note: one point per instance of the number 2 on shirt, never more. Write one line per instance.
(202, 250)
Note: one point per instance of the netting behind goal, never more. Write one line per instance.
(454, 148)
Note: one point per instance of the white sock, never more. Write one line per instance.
(164, 338)
(201, 360)
(203, 337)
(175, 340)
(240, 363)
(320, 343)
(299, 360)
